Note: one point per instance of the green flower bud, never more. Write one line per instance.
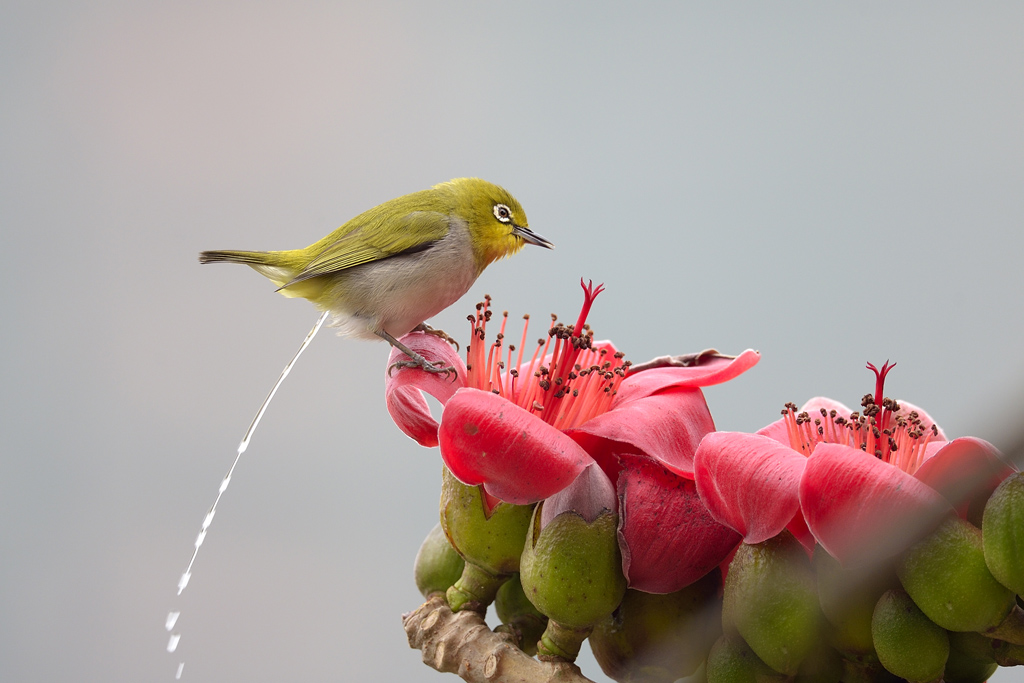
(660, 637)
(519, 617)
(909, 644)
(489, 539)
(770, 598)
(847, 597)
(970, 660)
(437, 564)
(948, 579)
(1003, 533)
(732, 661)
(572, 569)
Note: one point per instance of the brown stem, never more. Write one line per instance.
(1008, 654)
(461, 643)
(1011, 629)
(862, 672)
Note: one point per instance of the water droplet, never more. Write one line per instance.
(172, 617)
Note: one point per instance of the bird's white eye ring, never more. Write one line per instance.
(502, 213)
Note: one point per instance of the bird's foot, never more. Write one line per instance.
(418, 361)
(415, 360)
(423, 327)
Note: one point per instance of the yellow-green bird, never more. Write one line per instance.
(386, 271)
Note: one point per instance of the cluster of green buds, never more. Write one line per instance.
(554, 574)
(553, 570)
(944, 609)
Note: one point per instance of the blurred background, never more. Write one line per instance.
(828, 184)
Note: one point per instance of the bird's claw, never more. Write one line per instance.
(423, 327)
(425, 365)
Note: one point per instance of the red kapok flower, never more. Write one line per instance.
(864, 483)
(525, 429)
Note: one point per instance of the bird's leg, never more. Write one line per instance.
(417, 361)
(423, 327)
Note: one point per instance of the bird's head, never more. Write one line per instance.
(496, 220)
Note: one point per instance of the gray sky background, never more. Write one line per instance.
(830, 184)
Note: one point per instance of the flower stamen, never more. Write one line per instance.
(578, 383)
(881, 428)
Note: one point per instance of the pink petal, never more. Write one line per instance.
(862, 509)
(486, 439)
(404, 387)
(667, 537)
(666, 426)
(926, 420)
(965, 471)
(588, 496)
(713, 371)
(777, 430)
(605, 345)
(749, 482)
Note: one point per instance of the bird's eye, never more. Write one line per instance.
(502, 213)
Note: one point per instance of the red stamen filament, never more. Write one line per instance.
(578, 383)
(489, 372)
(531, 386)
(882, 430)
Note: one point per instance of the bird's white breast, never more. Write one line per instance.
(398, 293)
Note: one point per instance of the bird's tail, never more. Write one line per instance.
(280, 267)
(250, 258)
(276, 266)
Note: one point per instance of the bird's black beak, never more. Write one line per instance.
(532, 237)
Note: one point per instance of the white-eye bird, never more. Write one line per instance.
(389, 269)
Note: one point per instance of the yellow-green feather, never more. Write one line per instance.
(387, 233)
(401, 225)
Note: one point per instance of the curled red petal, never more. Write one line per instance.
(713, 371)
(404, 387)
(486, 439)
(862, 509)
(666, 426)
(749, 482)
(667, 537)
(965, 471)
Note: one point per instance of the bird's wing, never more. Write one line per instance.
(376, 240)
